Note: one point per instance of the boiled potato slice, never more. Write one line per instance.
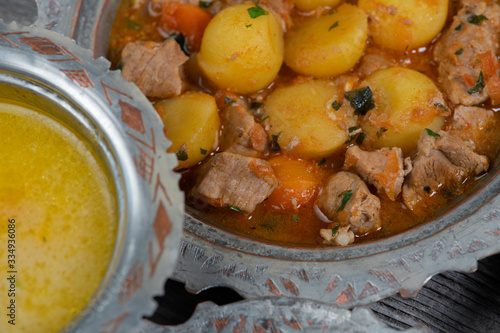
(240, 53)
(406, 102)
(192, 124)
(405, 24)
(301, 120)
(309, 5)
(327, 45)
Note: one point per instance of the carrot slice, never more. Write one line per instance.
(190, 20)
(299, 182)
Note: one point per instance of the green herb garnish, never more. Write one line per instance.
(204, 4)
(203, 151)
(335, 230)
(381, 131)
(459, 51)
(182, 154)
(295, 218)
(349, 140)
(360, 138)
(458, 27)
(346, 196)
(132, 24)
(255, 105)
(336, 105)
(275, 146)
(236, 209)
(476, 19)
(479, 85)
(257, 11)
(427, 188)
(263, 119)
(353, 128)
(441, 106)
(228, 100)
(323, 161)
(336, 24)
(431, 133)
(361, 100)
(248, 26)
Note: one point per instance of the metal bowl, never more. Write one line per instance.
(346, 277)
(49, 71)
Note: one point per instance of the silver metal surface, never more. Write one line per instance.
(272, 314)
(49, 71)
(345, 277)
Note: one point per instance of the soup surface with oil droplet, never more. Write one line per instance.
(62, 212)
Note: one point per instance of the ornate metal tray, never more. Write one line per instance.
(345, 277)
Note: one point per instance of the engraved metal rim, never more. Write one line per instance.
(41, 63)
(346, 277)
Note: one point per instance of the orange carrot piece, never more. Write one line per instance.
(494, 90)
(299, 182)
(190, 20)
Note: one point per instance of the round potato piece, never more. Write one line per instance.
(301, 120)
(405, 24)
(192, 124)
(309, 5)
(406, 102)
(327, 45)
(240, 53)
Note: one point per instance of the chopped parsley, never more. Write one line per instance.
(458, 27)
(295, 218)
(203, 151)
(263, 119)
(336, 24)
(431, 133)
(132, 25)
(346, 196)
(479, 85)
(361, 100)
(228, 100)
(248, 26)
(182, 154)
(381, 131)
(360, 138)
(476, 19)
(353, 128)
(427, 189)
(257, 11)
(459, 51)
(323, 161)
(204, 4)
(236, 209)
(275, 146)
(441, 106)
(336, 105)
(335, 230)
(350, 139)
(255, 105)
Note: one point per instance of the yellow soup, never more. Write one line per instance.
(58, 222)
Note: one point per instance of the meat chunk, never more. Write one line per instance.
(232, 180)
(156, 68)
(476, 125)
(466, 53)
(443, 161)
(347, 201)
(374, 61)
(382, 168)
(241, 134)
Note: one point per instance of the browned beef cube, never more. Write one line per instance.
(237, 181)
(463, 50)
(156, 68)
(382, 168)
(346, 199)
(442, 162)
